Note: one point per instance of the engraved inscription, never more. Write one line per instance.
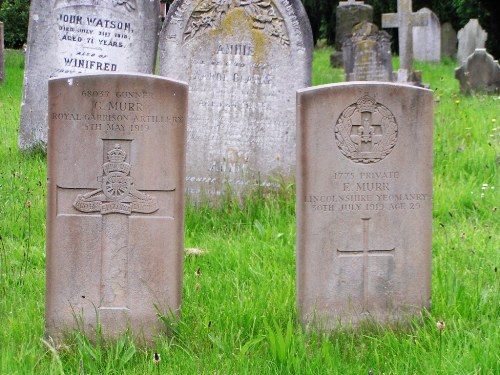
(366, 131)
(366, 191)
(209, 15)
(117, 193)
(87, 42)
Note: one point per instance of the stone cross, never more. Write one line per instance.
(366, 252)
(350, 2)
(404, 20)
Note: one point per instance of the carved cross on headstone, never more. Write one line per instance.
(351, 2)
(367, 133)
(114, 202)
(365, 252)
(404, 20)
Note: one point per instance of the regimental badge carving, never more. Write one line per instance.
(209, 15)
(117, 193)
(130, 5)
(366, 131)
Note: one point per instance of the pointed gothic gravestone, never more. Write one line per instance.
(364, 203)
(405, 20)
(427, 39)
(243, 60)
(2, 57)
(367, 54)
(116, 156)
(348, 14)
(68, 37)
(470, 37)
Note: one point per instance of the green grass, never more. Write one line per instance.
(238, 312)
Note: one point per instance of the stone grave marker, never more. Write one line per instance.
(115, 212)
(448, 41)
(68, 37)
(2, 55)
(405, 20)
(427, 39)
(367, 54)
(364, 203)
(348, 14)
(470, 37)
(479, 73)
(243, 61)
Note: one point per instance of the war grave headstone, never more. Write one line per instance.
(348, 14)
(364, 203)
(404, 20)
(68, 37)
(115, 212)
(470, 37)
(448, 40)
(244, 61)
(479, 73)
(427, 39)
(2, 55)
(367, 54)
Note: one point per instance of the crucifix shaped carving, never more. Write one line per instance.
(366, 134)
(113, 203)
(404, 20)
(366, 253)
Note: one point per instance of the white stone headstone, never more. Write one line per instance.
(470, 37)
(244, 61)
(68, 37)
(364, 203)
(115, 203)
(427, 39)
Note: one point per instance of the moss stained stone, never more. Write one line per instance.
(244, 62)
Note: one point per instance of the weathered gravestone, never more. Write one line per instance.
(470, 37)
(479, 73)
(367, 54)
(68, 37)
(364, 203)
(405, 20)
(448, 41)
(427, 39)
(243, 60)
(348, 14)
(116, 158)
(2, 57)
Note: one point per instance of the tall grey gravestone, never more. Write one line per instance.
(479, 73)
(448, 41)
(470, 37)
(427, 39)
(115, 212)
(405, 20)
(2, 57)
(243, 61)
(348, 15)
(364, 203)
(68, 37)
(367, 54)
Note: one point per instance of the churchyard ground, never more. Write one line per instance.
(238, 310)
